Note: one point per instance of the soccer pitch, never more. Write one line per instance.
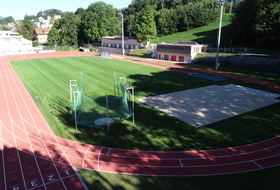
(47, 80)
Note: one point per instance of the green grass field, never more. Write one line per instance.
(203, 35)
(47, 80)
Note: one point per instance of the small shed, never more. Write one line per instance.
(178, 51)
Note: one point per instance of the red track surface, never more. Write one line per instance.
(32, 157)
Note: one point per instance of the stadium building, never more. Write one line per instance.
(178, 51)
(13, 43)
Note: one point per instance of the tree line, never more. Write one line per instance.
(254, 22)
(7, 20)
(44, 14)
(143, 19)
(257, 23)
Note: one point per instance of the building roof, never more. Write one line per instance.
(177, 44)
(117, 37)
(8, 33)
(186, 43)
(42, 31)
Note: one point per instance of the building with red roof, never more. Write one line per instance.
(41, 34)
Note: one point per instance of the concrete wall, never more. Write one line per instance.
(113, 50)
(263, 64)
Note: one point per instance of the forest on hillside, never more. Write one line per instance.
(254, 23)
(143, 19)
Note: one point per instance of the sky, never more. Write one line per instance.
(19, 8)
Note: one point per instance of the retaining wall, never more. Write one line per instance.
(263, 64)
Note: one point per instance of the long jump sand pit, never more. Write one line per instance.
(206, 105)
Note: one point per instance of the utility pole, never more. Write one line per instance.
(120, 14)
(219, 35)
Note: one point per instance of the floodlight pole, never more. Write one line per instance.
(219, 35)
(120, 14)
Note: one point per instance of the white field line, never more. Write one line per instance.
(3, 161)
(83, 164)
(148, 166)
(37, 109)
(63, 153)
(98, 161)
(235, 147)
(8, 111)
(180, 158)
(38, 168)
(34, 122)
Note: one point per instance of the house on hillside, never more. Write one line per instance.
(48, 23)
(178, 51)
(41, 35)
(55, 17)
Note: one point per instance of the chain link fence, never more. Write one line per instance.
(240, 50)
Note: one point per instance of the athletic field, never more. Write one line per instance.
(47, 80)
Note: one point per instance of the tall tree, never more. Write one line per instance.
(89, 31)
(53, 37)
(80, 12)
(257, 23)
(106, 13)
(4, 28)
(31, 17)
(145, 26)
(140, 4)
(129, 23)
(162, 21)
(22, 30)
(9, 19)
(25, 28)
(267, 23)
(68, 29)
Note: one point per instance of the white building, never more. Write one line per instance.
(116, 42)
(178, 51)
(12, 43)
(46, 23)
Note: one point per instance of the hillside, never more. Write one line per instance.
(1, 18)
(203, 35)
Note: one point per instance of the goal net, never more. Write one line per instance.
(103, 111)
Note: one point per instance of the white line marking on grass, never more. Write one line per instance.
(106, 57)
(6, 63)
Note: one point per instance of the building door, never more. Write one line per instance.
(165, 57)
(173, 58)
(181, 59)
(159, 56)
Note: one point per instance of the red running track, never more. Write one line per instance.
(33, 157)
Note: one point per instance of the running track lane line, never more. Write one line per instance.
(17, 106)
(54, 183)
(40, 134)
(105, 164)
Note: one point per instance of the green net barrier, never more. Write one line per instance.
(102, 111)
